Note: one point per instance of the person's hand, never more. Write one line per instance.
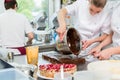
(29, 42)
(61, 32)
(86, 43)
(104, 54)
(95, 51)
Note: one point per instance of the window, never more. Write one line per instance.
(35, 10)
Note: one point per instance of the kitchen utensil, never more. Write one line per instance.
(70, 43)
(82, 56)
(10, 56)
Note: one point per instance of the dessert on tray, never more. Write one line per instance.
(63, 59)
(48, 70)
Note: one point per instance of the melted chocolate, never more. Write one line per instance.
(66, 60)
(73, 41)
(73, 61)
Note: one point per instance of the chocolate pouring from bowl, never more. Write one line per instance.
(70, 43)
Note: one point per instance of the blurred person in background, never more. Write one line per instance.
(13, 27)
(92, 20)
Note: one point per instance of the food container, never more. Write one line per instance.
(12, 74)
(92, 75)
(70, 43)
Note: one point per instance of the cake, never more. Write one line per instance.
(73, 61)
(48, 70)
(62, 59)
(50, 59)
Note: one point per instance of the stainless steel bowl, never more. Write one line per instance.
(70, 43)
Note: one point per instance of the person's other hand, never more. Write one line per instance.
(86, 43)
(29, 43)
(104, 55)
(61, 32)
(95, 51)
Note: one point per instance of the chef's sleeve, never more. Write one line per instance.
(72, 8)
(106, 27)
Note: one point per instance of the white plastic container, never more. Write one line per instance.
(12, 74)
(92, 75)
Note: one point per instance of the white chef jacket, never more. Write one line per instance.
(13, 27)
(115, 26)
(89, 26)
